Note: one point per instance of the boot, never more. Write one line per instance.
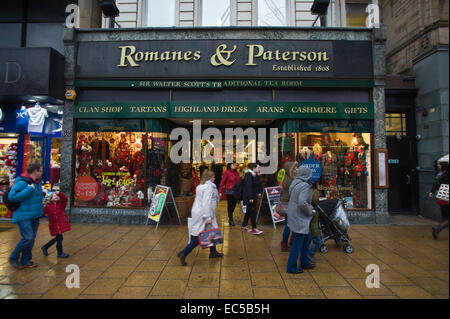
(182, 258)
(435, 233)
(231, 222)
(215, 254)
(284, 247)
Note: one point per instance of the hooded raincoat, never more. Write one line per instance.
(299, 210)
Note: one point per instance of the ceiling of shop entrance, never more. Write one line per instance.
(225, 122)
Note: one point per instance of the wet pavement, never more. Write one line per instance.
(124, 261)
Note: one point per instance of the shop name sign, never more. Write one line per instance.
(306, 110)
(224, 58)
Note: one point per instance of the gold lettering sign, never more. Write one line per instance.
(129, 56)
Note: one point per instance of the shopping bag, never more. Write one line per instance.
(442, 195)
(210, 237)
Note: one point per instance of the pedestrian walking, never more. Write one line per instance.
(291, 172)
(252, 190)
(316, 239)
(58, 223)
(229, 179)
(300, 212)
(203, 215)
(28, 192)
(441, 178)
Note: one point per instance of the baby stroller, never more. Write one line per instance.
(333, 224)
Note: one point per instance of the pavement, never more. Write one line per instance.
(127, 261)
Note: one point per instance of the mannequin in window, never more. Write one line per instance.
(329, 164)
(340, 150)
(304, 154)
(100, 147)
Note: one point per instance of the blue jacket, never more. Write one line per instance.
(30, 199)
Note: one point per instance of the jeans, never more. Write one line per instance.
(28, 229)
(299, 247)
(286, 232)
(250, 214)
(316, 242)
(58, 240)
(194, 243)
(231, 204)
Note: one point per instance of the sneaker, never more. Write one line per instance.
(310, 266)
(231, 222)
(15, 264)
(44, 251)
(63, 255)
(31, 264)
(246, 229)
(256, 231)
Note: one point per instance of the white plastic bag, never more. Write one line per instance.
(340, 217)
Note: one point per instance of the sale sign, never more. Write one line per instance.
(86, 188)
(158, 200)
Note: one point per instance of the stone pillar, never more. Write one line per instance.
(379, 52)
(67, 147)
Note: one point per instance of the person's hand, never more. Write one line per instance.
(430, 195)
(208, 222)
(32, 185)
(259, 195)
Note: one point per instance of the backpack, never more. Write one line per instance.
(238, 189)
(12, 205)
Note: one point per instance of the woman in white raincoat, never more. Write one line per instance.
(203, 215)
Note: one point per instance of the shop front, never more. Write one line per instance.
(312, 101)
(31, 98)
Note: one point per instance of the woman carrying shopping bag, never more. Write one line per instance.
(441, 178)
(203, 215)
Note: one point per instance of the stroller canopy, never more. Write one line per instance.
(328, 206)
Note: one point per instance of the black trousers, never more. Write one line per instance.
(58, 240)
(250, 214)
(231, 204)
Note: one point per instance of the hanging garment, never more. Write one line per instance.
(37, 116)
(329, 164)
(100, 149)
(22, 120)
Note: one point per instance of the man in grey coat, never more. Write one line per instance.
(299, 214)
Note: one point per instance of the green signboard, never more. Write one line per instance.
(216, 109)
(224, 84)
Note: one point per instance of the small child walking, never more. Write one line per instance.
(58, 223)
(316, 239)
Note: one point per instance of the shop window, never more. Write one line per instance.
(157, 155)
(216, 13)
(395, 124)
(161, 13)
(272, 13)
(343, 150)
(287, 141)
(55, 161)
(8, 167)
(109, 170)
(356, 14)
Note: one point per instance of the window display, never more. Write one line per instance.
(345, 161)
(113, 160)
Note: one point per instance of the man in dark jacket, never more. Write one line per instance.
(252, 190)
(27, 190)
